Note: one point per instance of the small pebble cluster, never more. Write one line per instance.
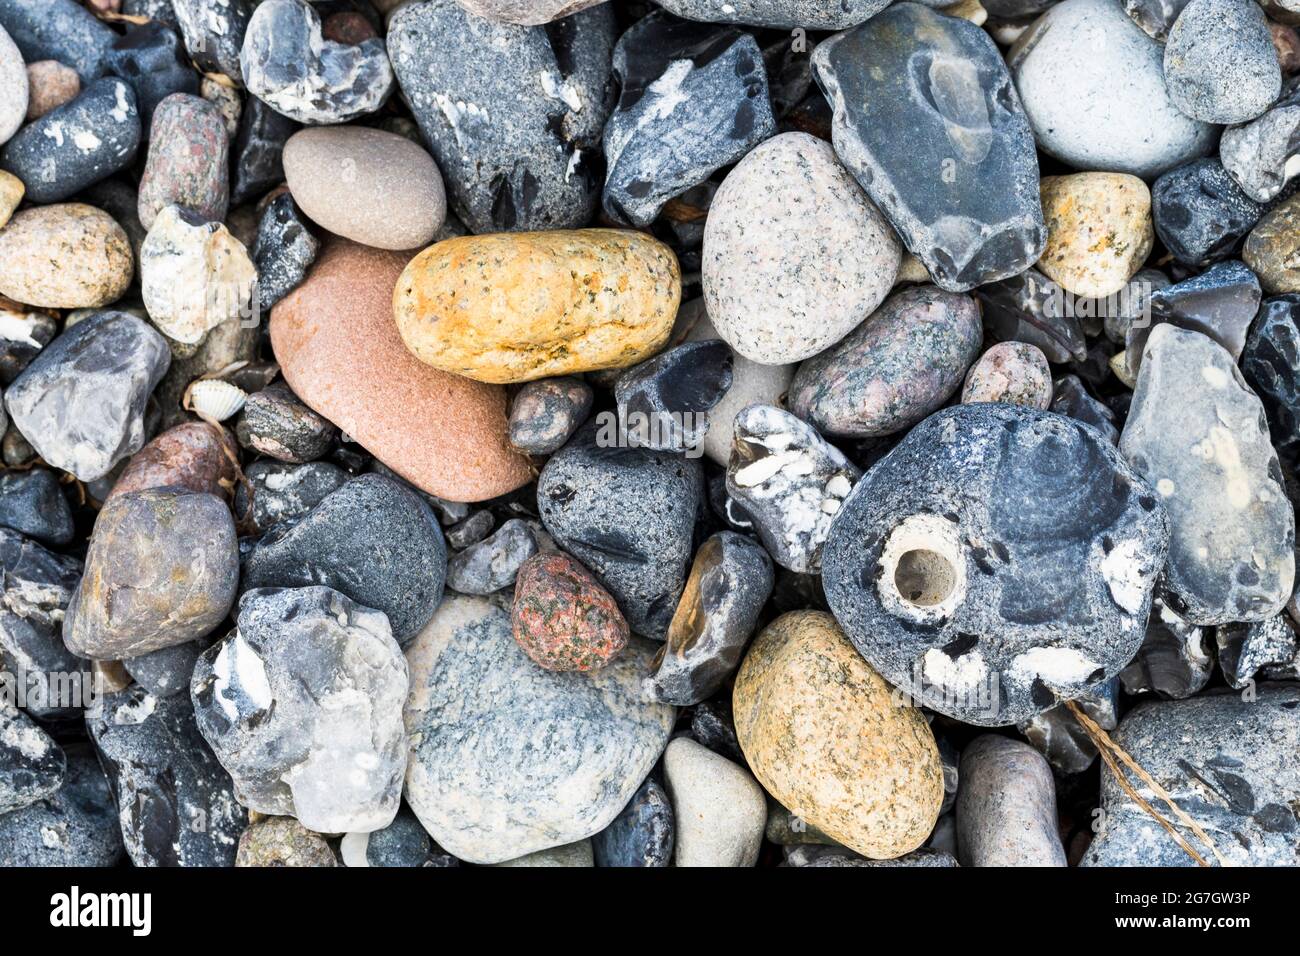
(695, 433)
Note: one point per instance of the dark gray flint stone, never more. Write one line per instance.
(789, 481)
(783, 14)
(665, 400)
(730, 582)
(81, 402)
(162, 569)
(1200, 212)
(628, 514)
(470, 531)
(1220, 303)
(32, 765)
(1058, 735)
(514, 118)
(60, 30)
(37, 586)
(167, 671)
(508, 758)
(160, 10)
(837, 856)
(214, 33)
(76, 826)
(32, 503)
(1220, 63)
(1233, 770)
(1175, 660)
(1071, 398)
(544, 413)
(152, 58)
(1026, 308)
(1271, 364)
(284, 491)
(1262, 649)
(21, 340)
(642, 834)
(1006, 807)
(928, 121)
(1264, 154)
(76, 144)
(712, 727)
(275, 422)
(1155, 17)
(490, 565)
(372, 540)
(302, 704)
(1134, 306)
(694, 99)
(403, 843)
(1198, 434)
(256, 159)
(287, 63)
(1000, 560)
(176, 805)
(284, 251)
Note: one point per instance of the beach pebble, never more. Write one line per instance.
(193, 455)
(475, 695)
(1058, 735)
(1155, 17)
(283, 492)
(694, 98)
(1264, 154)
(526, 12)
(11, 195)
(50, 84)
(1176, 658)
(227, 100)
(32, 504)
(188, 162)
(14, 88)
(1084, 66)
(60, 30)
(1270, 364)
(283, 253)
(1070, 397)
(274, 422)
(403, 843)
(162, 569)
(664, 403)
(257, 152)
(214, 33)
(490, 565)
(904, 362)
(32, 766)
(1006, 806)
(949, 158)
(302, 704)
(795, 254)
(1220, 65)
(373, 540)
(516, 307)
(825, 736)
(1200, 212)
(719, 808)
(562, 617)
(1012, 372)
(67, 256)
(283, 841)
(1099, 231)
(514, 119)
(75, 826)
(546, 412)
(81, 402)
(1221, 303)
(783, 14)
(730, 581)
(168, 670)
(152, 58)
(642, 835)
(1260, 650)
(1272, 250)
(998, 561)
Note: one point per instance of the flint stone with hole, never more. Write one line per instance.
(1228, 763)
(1261, 650)
(928, 120)
(665, 401)
(81, 402)
(32, 765)
(176, 805)
(162, 569)
(374, 540)
(1198, 434)
(1175, 660)
(627, 514)
(287, 63)
(1264, 154)
(790, 482)
(998, 561)
(1006, 807)
(302, 704)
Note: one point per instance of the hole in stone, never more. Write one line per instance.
(924, 578)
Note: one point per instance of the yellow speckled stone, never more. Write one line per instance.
(832, 742)
(67, 256)
(513, 307)
(1099, 231)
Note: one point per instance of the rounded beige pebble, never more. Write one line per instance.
(11, 194)
(1099, 231)
(826, 737)
(367, 185)
(513, 307)
(1015, 373)
(50, 85)
(65, 256)
(719, 809)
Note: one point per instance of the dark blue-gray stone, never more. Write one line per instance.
(1271, 365)
(284, 251)
(373, 540)
(545, 413)
(403, 843)
(256, 158)
(32, 503)
(784, 14)
(929, 122)
(642, 835)
(1071, 397)
(1200, 212)
(152, 58)
(62, 30)
(490, 565)
(1028, 308)
(514, 117)
(32, 765)
(1175, 660)
(283, 491)
(167, 671)
(664, 402)
(75, 826)
(1260, 650)
(214, 33)
(22, 340)
(694, 98)
(998, 561)
(76, 144)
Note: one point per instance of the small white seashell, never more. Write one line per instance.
(214, 399)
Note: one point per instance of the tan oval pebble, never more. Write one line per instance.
(50, 84)
(65, 256)
(339, 350)
(368, 185)
(826, 737)
(513, 307)
(11, 194)
(1099, 231)
(1015, 373)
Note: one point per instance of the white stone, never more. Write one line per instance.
(13, 88)
(719, 807)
